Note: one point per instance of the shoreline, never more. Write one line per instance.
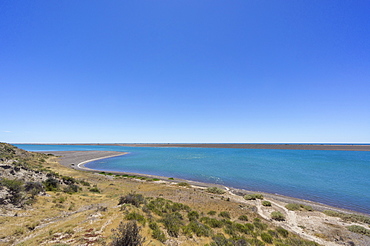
(282, 146)
(70, 158)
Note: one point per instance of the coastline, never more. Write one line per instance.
(340, 147)
(78, 159)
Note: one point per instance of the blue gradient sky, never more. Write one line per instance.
(185, 71)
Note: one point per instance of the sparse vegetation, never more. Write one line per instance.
(87, 214)
(359, 229)
(224, 214)
(348, 217)
(276, 215)
(132, 198)
(243, 217)
(215, 190)
(296, 207)
(266, 203)
(253, 196)
(127, 234)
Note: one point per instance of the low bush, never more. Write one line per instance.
(184, 184)
(94, 189)
(34, 188)
(135, 216)
(348, 217)
(282, 231)
(215, 190)
(172, 222)
(132, 198)
(198, 229)
(253, 196)
(84, 183)
(224, 214)
(276, 215)
(266, 237)
(359, 229)
(193, 215)
(51, 184)
(266, 203)
(259, 225)
(157, 233)
(293, 206)
(127, 234)
(71, 188)
(243, 217)
(212, 222)
(212, 212)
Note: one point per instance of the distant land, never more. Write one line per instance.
(324, 146)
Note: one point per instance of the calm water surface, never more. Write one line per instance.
(337, 178)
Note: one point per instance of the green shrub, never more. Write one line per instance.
(243, 217)
(282, 231)
(215, 190)
(266, 237)
(94, 189)
(307, 207)
(224, 214)
(276, 215)
(51, 184)
(68, 180)
(132, 198)
(198, 229)
(348, 217)
(34, 188)
(193, 215)
(253, 196)
(84, 183)
(359, 229)
(16, 189)
(212, 212)
(172, 222)
(135, 216)
(249, 226)
(71, 188)
(259, 225)
(273, 233)
(184, 184)
(127, 234)
(157, 233)
(266, 203)
(212, 222)
(293, 206)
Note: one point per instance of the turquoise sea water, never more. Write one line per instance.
(336, 178)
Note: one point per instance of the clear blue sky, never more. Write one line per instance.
(185, 71)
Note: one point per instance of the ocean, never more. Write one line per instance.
(335, 178)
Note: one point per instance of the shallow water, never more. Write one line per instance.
(336, 178)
